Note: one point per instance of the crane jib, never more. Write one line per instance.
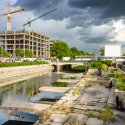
(29, 22)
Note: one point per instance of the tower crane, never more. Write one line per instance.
(9, 15)
(30, 21)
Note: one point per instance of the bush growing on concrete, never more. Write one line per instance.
(100, 64)
(104, 67)
(96, 65)
(115, 74)
(120, 85)
(107, 62)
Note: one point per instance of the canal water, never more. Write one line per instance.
(22, 92)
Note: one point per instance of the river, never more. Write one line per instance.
(23, 91)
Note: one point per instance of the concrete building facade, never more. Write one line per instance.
(26, 40)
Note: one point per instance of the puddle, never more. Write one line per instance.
(7, 117)
(12, 122)
(47, 97)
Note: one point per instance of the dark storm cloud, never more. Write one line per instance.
(98, 40)
(42, 6)
(32, 5)
(108, 8)
(80, 13)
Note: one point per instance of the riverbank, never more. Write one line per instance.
(84, 104)
(10, 75)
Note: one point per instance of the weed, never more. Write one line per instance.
(75, 90)
(105, 115)
(88, 84)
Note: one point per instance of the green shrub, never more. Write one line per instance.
(115, 74)
(100, 64)
(14, 64)
(79, 68)
(107, 62)
(104, 67)
(96, 64)
(120, 85)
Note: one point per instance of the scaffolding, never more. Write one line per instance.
(25, 40)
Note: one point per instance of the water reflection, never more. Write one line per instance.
(22, 91)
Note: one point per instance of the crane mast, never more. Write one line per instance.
(9, 19)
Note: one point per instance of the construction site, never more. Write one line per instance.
(25, 39)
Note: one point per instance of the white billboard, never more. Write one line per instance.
(112, 50)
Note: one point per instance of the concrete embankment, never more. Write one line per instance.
(9, 75)
(84, 104)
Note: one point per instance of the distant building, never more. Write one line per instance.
(112, 50)
(38, 43)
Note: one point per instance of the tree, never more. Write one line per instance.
(29, 53)
(60, 49)
(87, 54)
(74, 52)
(5, 54)
(80, 53)
(1, 50)
(19, 52)
(102, 51)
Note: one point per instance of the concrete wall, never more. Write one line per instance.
(11, 75)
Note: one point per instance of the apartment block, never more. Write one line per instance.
(26, 40)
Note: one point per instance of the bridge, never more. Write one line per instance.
(58, 65)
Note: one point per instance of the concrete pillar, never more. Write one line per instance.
(58, 67)
(24, 43)
(5, 42)
(14, 46)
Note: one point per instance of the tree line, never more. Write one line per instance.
(61, 49)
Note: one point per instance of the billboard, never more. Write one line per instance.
(112, 50)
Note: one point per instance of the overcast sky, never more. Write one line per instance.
(85, 24)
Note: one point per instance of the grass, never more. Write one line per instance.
(105, 115)
(59, 84)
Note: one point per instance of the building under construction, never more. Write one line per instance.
(26, 40)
